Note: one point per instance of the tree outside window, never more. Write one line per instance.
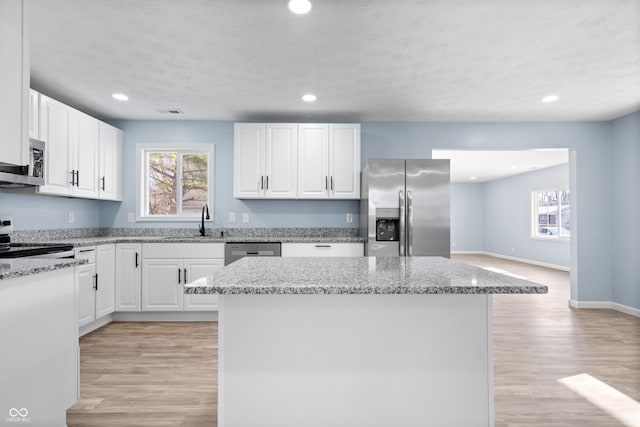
(175, 183)
(551, 214)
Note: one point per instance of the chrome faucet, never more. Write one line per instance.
(205, 208)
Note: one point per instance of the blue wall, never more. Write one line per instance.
(507, 217)
(625, 218)
(467, 217)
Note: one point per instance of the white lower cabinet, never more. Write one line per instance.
(322, 249)
(197, 268)
(128, 276)
(96, 282)
(164, 275)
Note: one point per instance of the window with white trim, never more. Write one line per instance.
(551, 214)
(174, 181)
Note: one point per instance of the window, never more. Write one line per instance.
(551, 214)
(174, 182)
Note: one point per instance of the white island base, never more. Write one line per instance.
(355, 360)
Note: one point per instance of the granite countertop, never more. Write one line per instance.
(103, 240)
(358, 275)
(18, 267)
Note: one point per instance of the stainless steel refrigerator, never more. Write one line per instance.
(404, 208)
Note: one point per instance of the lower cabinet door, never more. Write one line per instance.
(162, 281)
(195, 269)
(86, 294)
(106, 279)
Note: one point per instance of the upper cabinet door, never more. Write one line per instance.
(344, 161)
(313, 161)
(55, 131)
(85, 136)
(110, 170)
(281, 161)
(14, 83)
(249, 160)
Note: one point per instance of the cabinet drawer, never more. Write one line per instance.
(183, 250)
(88, 253)
(322, 249)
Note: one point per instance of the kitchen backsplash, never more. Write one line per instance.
(75, 233)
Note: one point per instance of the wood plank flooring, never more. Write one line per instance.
(164, 374)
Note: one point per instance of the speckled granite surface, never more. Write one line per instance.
(98, 236)
(363, 275)
(12, 268)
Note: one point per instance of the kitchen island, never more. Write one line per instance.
(356, 341)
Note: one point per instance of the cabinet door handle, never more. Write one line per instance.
(332, 183)
(137, 259)
(262, 182)
(103, 180)
(179, 276)
(326, 186)
(73, 177)
(96, 285)
(267, 182)
(78, 178)
(185, 276)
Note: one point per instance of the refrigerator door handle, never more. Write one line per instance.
(402, 222)
(410, 224)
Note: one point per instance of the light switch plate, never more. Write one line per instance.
(349, 218)
(131, 217)
(72, 218)
(245, 217)
(232, 217)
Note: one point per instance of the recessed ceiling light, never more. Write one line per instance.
(309, 97)
(514, 166)
(550, 98)
(472, 178)
(300, 7)
(120, 96)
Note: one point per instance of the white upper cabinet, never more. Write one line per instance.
(83, 155)
(265, 161)
(14, 83)
(329, 161)
(110, 169)
(313, 161)
(344, 161)
(55, 131)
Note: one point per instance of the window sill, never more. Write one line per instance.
(551, 239)
(197, 218)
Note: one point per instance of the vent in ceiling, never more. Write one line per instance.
(171, 111)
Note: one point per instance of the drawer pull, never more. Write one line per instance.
(323, 246)
(86, 250)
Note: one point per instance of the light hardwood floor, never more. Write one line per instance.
(164, 374)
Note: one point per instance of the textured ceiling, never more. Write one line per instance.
(423, 60)
(491, 165)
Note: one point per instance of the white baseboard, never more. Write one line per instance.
(605, 305)
(98, 323)
(526, 261)
(166, 316)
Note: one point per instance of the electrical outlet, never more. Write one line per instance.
(245, 217)
(513, 250)
(131, 217)
(349, 218)
(72, 218)
(232, 217)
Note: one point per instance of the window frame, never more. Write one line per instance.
(142, 179)
(534, 215)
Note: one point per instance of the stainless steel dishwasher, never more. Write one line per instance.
(236, 250)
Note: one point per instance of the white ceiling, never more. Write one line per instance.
(366, 60)
(491, 165)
